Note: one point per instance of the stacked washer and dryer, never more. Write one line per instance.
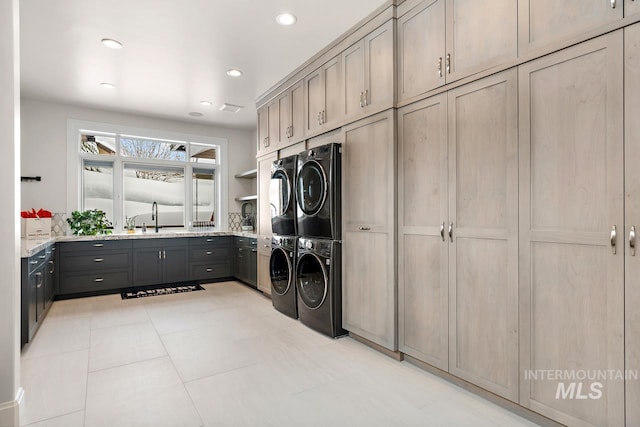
(306, 258)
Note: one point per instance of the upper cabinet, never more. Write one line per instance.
(631, 7)
(544, 22)
(263, 130)
(367, 69)
(445, 40)
(290, 116)
(322, 97)
(268, 128)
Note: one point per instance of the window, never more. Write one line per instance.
(123, 173)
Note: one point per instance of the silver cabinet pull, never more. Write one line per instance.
(53, 267)
(613, 4)
(164, 254)
(323, 118)
(442, 231)
(267, 246)
(614, 234)
(440, 67)
(209, 253)
(364, 228)
(209, 270)
(254, 250)
(448, 63)
(209, 240)
(451, 231)
(98, 245)
(632, 240)
(98, 259)
(366, 97)
(33, 262)
(291, 135)
(159, 254)
(98, 279)
(318, 119)
(361, 100)
(42, 256)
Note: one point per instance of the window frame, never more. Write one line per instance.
(76, 159)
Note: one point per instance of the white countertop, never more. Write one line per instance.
(31, 247)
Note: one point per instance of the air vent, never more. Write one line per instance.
(230, 108)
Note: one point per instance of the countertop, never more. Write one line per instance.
(31, 247)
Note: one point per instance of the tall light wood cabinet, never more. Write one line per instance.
(322, 97)
(632, 218)
(445, 40)
(368, 229)
(482, 233)
(572, 227)
(544, 22)
(290, 116)
(368, 74)
(264, 221)
(631, 7)
(423, 253)
(263, 130)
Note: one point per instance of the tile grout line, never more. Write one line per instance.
(50, 418)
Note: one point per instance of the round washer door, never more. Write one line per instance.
(312, 281)
(311, 188)
(280, 271)
(280, 191)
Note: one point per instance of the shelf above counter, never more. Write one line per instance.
(246, 199)
(247, 174)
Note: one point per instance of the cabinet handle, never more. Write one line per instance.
(632, 241)
(209, 270)
(614, 234)
(613, 4)
(254, 250)
(98, 279)
(442, 231)
(38, 282)
(267, 246)
(42, 256)
(98, 245)
(440, 67)
(451, 231)
(98, 259)
(361, 100)
(33, 262)
(210, 253)
(324, 117)
(319, 119)
(159, 254)
(53, 267)
(364, 228)
(291, 136)
(209, 240)
(448, 63)
(366, 97)
(164, 254)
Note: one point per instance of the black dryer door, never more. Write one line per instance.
(312, 281)
(311, 188)
(280, 271)
(279, 192)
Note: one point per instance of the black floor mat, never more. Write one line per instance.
(143, 292)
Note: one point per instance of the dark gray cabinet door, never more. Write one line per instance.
(147, 266)
(175, 264)
(252, 266)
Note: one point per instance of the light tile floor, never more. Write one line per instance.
(223, 357)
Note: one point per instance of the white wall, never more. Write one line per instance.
(9, 191)
(44, 145)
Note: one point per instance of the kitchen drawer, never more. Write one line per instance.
(105, 260)
(160, 243)
(210, 241)
(246, 242)
(76, 283)
(264, 245)
(205, 271)
(209, 253)
(35, 261)
(91, 246)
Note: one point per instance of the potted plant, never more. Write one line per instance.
(89, 223)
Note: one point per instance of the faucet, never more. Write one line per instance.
(154, 214)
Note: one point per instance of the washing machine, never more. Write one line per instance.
(282, 196)
(282, 269)
(318, 279)
(318, 200)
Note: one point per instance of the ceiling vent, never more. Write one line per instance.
(230, 108)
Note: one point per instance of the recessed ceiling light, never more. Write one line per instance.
(195, 114)
(108, 85)
(231, 108)
(234, 72)
(111, 43)
(286, 19)
(206, 103)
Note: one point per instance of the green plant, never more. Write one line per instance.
(89, 222)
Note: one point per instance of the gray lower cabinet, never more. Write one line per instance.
(210, 257)
(245, 259)
(157, 261)
(94, 266)
(38, 287)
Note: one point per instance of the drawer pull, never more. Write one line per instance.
(364, 228)
(210, 253)
(254, 250)
(98, 280)
(209, 270)
(267, 246)
(33, 262)
(209, 240)
(98, 245)
(42, 256)
(98, 259)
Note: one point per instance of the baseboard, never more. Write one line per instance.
(10, 411)
(392, 354)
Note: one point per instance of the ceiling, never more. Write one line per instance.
(176, 53)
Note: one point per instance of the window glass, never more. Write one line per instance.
(152, 149)
(203, 154)
(203, 195)
(91, 143)
(144, 185)
(97, 191)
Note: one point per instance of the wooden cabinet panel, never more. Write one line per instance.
(421, 49)
(314, 96)
(284, 119)
(264, 204)
(263, 275)
(543, 22)
(631, 7)
(354, 84)
(274, 126)
(571, 177)
(423, 286)
(632, 217)
(483, 210)
(480, 35)
(368, 244)
(379, 68)
(297, 114)
(332, 78)
(263, 129)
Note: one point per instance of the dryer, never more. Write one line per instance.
(282, 196)
(282, 269)
(318, 282)
(318, 201)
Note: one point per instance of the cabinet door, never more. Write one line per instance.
(421, 49)
(263, 129)
(368, 245)
(483, 249)
(631, 7)
(252, 264)
(480, 34)
(332, 82)
(284, 119)
(571, 193)
(632, 217)
(264, 277)
(264, 203)
(147, 266)
(544, 22)
(175, 264)
(314, 96)
(423, 255)
(32, 293)
(297, 114)
(379, 66)
(353, 78)
(274, 126)
(50, 282)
